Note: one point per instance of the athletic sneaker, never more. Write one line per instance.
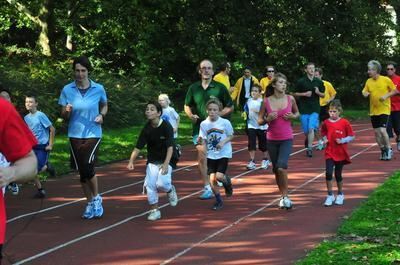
(389, 154)
(88, 213)
(228, 186)
(172, 197)
(97, 206)
(320, 145)
(285, 203)
(154, 215)
(265, 164)
(206, 195)
(309, 152)
(40, 194)
(14, 188)
(329, 200)
(339, 199)
(219, 183)
(251, 165)
(383, 154)
(218, 205)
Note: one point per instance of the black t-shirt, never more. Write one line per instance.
(157, 140)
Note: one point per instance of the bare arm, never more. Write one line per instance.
(164, 167)
(103, 113)
(226, 111)
(134, 155)
(51, 138)
(190, 114)
(24, 169)
(261, 115)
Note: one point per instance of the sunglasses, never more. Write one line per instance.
(270, 71)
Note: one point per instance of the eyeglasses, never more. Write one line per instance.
(390, 69)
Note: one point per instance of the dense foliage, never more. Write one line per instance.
(140, 48)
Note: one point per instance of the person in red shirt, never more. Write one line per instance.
(336, 133)
(16, 142)
(394, 118)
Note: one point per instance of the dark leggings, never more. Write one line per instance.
(330, 164)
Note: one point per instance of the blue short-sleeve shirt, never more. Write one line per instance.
(85, 108)
(39, 125)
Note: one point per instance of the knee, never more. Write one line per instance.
(328, 177)
(338, 178)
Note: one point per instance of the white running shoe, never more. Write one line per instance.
(98, 210)
(154, 215)
(172, 197)
(89, 212)
(251, 165)
(285, 203)
(339, 199)
(320, 145)
(265, 164)
(389, 154)
(329, 200)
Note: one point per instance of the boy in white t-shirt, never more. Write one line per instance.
(216, 134)
(254, 130)
(168, 113)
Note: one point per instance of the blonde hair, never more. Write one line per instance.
(165, 97)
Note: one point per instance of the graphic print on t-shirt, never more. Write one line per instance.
(213, 138)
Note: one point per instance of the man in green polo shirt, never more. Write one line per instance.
(195, 108)
(308, 90)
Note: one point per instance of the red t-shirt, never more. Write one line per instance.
(395, 100)
(334, 130)
(16, 141)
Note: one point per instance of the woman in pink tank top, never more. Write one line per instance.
(278, 110)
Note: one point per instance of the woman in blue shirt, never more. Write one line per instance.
(84, 105)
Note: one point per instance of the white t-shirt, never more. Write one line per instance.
(171, 116)
(214, 132)
(253, 106)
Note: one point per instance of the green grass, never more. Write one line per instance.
(371, 235)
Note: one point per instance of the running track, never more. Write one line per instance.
(249, 230)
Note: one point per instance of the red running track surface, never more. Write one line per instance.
(250, 229)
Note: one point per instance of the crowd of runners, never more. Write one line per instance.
(266, 105)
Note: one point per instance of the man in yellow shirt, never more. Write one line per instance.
(379, 89)
(223, 76)
(265, 81)
(330, 94)
(242, 89)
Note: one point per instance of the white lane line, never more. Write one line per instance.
(183, 252)
(124, 221)
(102, 193)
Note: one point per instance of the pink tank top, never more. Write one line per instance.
(279, 129)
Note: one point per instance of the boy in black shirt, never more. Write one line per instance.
(159, 138)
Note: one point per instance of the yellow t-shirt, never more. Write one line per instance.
(376, 89)
(264, 82)
(223, 79)
(329, 92)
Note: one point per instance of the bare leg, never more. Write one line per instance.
(310, 138)
(340, 187)
(202, 160)
(282, 181)
(93, 185)
(252, 154)
(87, 191)
(37, 182)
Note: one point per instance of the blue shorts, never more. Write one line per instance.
(309, 122)
(42, 155)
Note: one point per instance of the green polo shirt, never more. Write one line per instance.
(197, 97)
(308, 105)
